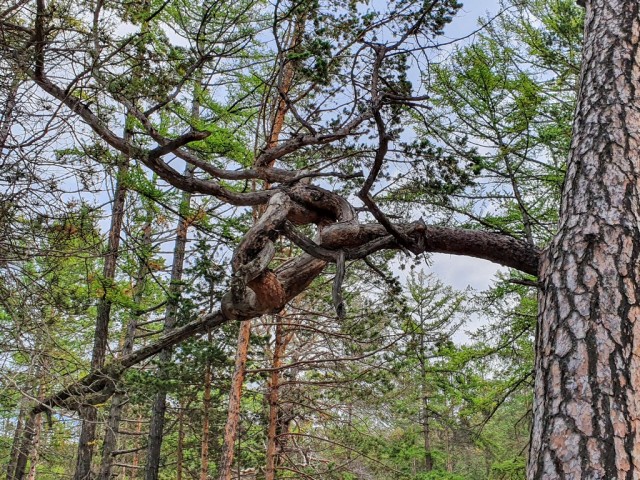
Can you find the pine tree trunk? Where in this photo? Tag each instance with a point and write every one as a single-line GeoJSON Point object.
{"type": "Point", "coordinates": [136, 455]}
{"type": "Point", "coordinates": [586, 407]}
{"type": "Point", "coordinates": [233, 412]}
{"type": "Point", "coordinates": [7, 112]}
{"type": "Point", "coordinates": [426, 430]}
{"type": "Point", "coordinates": [424, 391]}
{"type": "Point", "coordinates": [160, 403]}
{"type": "Point", "coordinates": [34, 456]}
{"type": "Point", "coordinates": [233, 415]}
{"type": "Point", "coordinates": [119, 399]}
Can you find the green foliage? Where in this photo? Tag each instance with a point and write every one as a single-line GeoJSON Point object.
{"type": "Point", "coordinates": [396, 390]}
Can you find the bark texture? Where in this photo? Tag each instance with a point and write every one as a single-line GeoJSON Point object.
{"type": "Point", "coordinates": [587, 407]}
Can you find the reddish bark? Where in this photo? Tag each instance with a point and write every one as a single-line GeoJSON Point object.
{"type": "Point", "coordinates": [233, 415]}
{"type": "Point", "coordinates": [586, 411]}
{"type": "Point", "coordinates": [280, 344]}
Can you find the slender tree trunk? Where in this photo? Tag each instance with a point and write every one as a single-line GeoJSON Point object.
{"type": "Point", "coordinates": [89, 414]}
{"type": "Point", "coordinates": [35, 454]}
{"type": "Point", "coordinates": [280, 344]}
{"type": "Point", "coordinates": [156, 428]}
{"type": "Point", "coordinates": [180, 446]}
{"type": "Point", "coordinates": [136, 455]}
{"type": "Point", "coordinates": [7, 113]}
{"type": "Point", "coordinates": [17, 438]}
{"type": "Point", "coordinates": [25, 445]}
{"type": "Point", "coordinates": [119, 399]}
{"type": "Point", "coordinates": [233, 415]}
{"type": "Point", "coordinates": [426, 432]}
{"type": "Point", "coordinates": [230, 435]}
{"type": "Point", "coordinates": [586, 409]}
{"type": "Point", "coordinates": [426, 427]}
{"type": "Point", "coordinates": [206, 407]}
{"type": "Point", "coordinates": [450, 458]}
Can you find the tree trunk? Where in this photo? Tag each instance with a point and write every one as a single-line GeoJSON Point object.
{"type": "Point", "coordinates": [279, 347]}
{"type": "Point", "coordinates": [34, 456]}
{"type": "Point", "coordinates": [206, 408]}
{"type": "Point", "coordinates": [119, 399]}
{"type": "Point", "coordinates": [586, 406]}
{"type": "Point", "coordinates": [171, 316]}
{"type": "Point", "coordinates": [136, 455]}
{"type": "Point", "coordinates": [426, 426]}
{"type": "Point", "coordinates": [17, 438]}
{"type": "Point", "coordinates": [180, 446]}
{"type": "Point", "coordinates": [26, 443]}
{"type": "Point", "coordinates": [89, 413]}
{"type": "Point", "coordinates": [233, 415]}
{"type": "Point", "coordinates": [7, 112]}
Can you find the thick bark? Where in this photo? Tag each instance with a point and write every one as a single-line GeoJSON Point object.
{"type": "Point", "coordinates": [235, 395]}
{"type": "Point", "coordinates": [586, 410]}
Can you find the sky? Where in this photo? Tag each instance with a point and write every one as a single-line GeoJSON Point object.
{"type": "Point", "coordinates": [458, 271]}
{"type": "Point", "coordinates": [454, 270]}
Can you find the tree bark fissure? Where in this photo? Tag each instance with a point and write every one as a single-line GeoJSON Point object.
{"type": "Point", "coordinates": [586, 408]}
